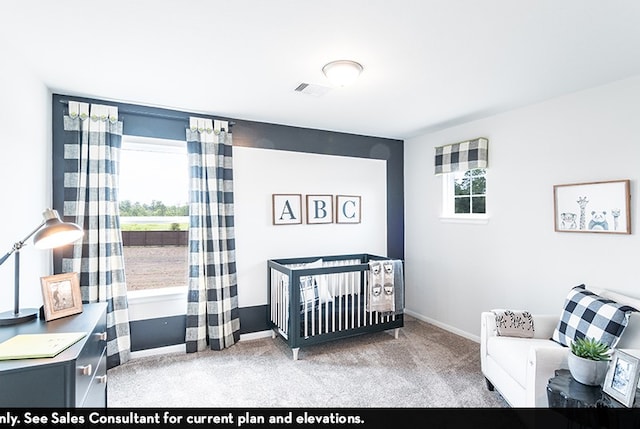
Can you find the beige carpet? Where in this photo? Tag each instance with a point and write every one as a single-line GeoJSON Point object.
{"type": "Point", "coordinates": [425, 367]}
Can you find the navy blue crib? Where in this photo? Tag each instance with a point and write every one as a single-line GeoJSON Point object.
{"type": "Point", "coordinates": [321, 298]}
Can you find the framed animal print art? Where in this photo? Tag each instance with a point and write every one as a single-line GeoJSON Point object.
{"type": "Point", "coordinates": [598, 207]}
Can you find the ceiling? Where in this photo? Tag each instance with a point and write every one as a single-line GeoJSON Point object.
{"type": "Point", "coordinates": [428, 64]}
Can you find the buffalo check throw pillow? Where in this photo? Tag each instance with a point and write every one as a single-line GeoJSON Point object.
{"type": "Point", "coordinates": [586, 314]}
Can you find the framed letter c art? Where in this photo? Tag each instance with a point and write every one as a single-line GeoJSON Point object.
{"type": "Point", "coordinates": [287, 209]}
{"type": "Point", "coordinates": [347, 209]}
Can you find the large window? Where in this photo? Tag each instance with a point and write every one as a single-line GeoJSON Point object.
{"type": "Point", "coordinates": [465, 194]}
{"type": "Point", "coordinates": [154, 212]}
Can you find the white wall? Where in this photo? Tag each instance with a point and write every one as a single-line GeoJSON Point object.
{"type": "Point", "coordinates": [25, 172]}
{"type": "Point", "coordinates": [455, 271]}
{"type": "Point", "coordinates": [259, 173]}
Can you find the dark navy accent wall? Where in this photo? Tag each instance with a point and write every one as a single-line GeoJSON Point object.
{"type": "Point", "coordinates": [295, 139]}
{"type": "Point", "coordinates": [147, 121]}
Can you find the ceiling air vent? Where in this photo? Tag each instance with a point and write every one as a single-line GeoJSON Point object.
{"type": "Point", "coordinates": [311, 89]}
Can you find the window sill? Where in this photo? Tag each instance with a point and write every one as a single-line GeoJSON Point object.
{"type": "Point", "coordinates": [473, 220]}
{"type": "Point", "coordinates": [157, 303]}
{"type": "Point", "coordinates": [159, 294]}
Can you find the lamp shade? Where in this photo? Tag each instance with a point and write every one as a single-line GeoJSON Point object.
{"type": "Point", "coordinates": [342, 72]}
{"type": "Point", "coordinates": [55, 232]}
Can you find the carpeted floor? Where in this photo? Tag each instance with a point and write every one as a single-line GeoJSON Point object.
{"type": "Point", "coordinates": [425, 367]}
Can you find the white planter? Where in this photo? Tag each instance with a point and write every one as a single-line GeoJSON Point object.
{"type": "Point", "coordinates": [587, 371]}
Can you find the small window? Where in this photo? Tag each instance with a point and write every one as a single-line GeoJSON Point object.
{"type": "Point", "coordinates": [465, 194]}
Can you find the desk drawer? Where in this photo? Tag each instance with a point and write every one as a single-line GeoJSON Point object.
{"type": "Point", "coordinates": [88, 364]}
{"type": "Point", "coordinates": [96, 395]}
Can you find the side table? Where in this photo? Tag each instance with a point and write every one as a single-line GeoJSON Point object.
{"type": "Point", "coordinates": [565, 392]}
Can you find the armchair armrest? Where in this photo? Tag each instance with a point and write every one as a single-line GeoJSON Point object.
{"type": "Point", "coordinates": [541, 365]}
{"type": "Point", "coordinates": [487, 329]}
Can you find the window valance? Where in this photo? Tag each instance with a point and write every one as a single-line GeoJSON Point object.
{"type": "Point", "coordinates": [462, 156]}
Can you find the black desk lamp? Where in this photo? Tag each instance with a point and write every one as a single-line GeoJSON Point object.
{"type": "Point", "coordinates": [52, 232]}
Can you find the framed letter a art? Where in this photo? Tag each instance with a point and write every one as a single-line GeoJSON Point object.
{"type": "Point", "coordinates": [287, 209]}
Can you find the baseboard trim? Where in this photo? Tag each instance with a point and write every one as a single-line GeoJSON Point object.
{"type": "Point", "coordinates": [181, 348]}
{"type": "Point", "coordinates": [177, 348]}
{"type": "Point", "coordinates": [255, 335]}
{"type": "Point", "coordinates": [443, 326]}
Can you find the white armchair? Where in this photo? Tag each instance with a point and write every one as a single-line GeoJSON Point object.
{"type": "Point", "coordinates": [520, 368]}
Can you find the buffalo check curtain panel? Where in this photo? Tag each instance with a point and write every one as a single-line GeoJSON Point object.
{"type": "Point", "coordinates": [93, 137]}
{"type": "Point", "coordinates": [212, 308]}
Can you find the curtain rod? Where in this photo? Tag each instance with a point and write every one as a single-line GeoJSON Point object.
{"type": "Point", "coordinates": [152, 114]}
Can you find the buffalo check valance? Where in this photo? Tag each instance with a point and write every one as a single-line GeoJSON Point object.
{"type": "Point", "coordinates": [462, 156]}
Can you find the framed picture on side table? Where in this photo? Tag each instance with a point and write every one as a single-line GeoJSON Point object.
{"type": "Point", "coordinates": [61, 295]}
{"type": "Point", "coordinates": [621, 380]}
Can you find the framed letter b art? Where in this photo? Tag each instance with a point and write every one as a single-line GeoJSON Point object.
{"type": "Point", "coordinates": [599, 207]}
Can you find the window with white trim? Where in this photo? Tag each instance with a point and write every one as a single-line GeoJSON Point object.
{"type": "Point", "coordinates": [464, 180]}
{"type": "Point", "coordinates": [465, 194]}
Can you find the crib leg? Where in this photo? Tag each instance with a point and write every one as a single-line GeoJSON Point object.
{"type": "Point", "coordinates": [396, 332]}
{"type": "Point", "coordinates": [295, 353]}
{"type": "Point", "coordinates": [273, 333]}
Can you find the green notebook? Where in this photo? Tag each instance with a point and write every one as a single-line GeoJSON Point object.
{"type": "Point", "coordinates": [30, 346]}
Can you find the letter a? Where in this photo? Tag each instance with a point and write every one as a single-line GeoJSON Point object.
{"type": "Point", "coordinates": [287, 210]}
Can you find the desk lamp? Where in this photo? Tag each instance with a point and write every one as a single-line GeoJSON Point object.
{"type": "Point", "coordinates": [52, 232]}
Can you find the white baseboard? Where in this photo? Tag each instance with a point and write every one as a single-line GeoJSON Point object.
{"type": "Point", "coordinates": [443, 326]}
{"type": "Point", "coordinates": [178, 348]}
{"type": "Point", "coordinates": [181, 348]}
{"type": "Point", "coordinates": [256, 335]}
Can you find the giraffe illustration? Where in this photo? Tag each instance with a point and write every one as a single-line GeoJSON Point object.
{"type": "Point", "coordinates": [616, 214]}
{"type": "Point", "coordinates": [582, 202]}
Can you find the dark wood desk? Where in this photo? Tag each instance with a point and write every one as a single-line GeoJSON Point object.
{"type": "Point", "coordinates": [74, 378]}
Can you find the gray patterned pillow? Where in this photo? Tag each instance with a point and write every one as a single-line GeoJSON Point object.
{"type": "Point", "coordinates": [510, 323]}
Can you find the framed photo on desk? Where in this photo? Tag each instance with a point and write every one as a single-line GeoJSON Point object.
{"type": "Point", "coordinates": [621, 381]}
{"type": "Point", "coordinates": [61, 295]}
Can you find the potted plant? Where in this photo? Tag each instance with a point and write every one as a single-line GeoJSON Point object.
{"type": "Point", "coordinates": [589, 361]}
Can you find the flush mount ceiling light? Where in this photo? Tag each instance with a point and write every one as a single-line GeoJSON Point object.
{"type": "Point", "coordinates": [342, 72]}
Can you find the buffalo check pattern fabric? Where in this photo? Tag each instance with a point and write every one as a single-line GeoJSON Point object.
{"type": "Point", "coordinates": [588, 315]}
{"type": "Point", "coordinates": [462, 156]}
{"type": "Point", "coordinates": [212, 307]}
{"type": "Point", "coordinates": [93, 137]}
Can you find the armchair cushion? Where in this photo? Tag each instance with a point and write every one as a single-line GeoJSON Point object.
{"type": "Point", "coordinates": [586, 314]}
{"type": "Point", "coordinates": [512, 353]}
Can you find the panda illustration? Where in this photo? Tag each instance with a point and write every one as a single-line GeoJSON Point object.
{"type": "Point", "coordinates": [598, 221]}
